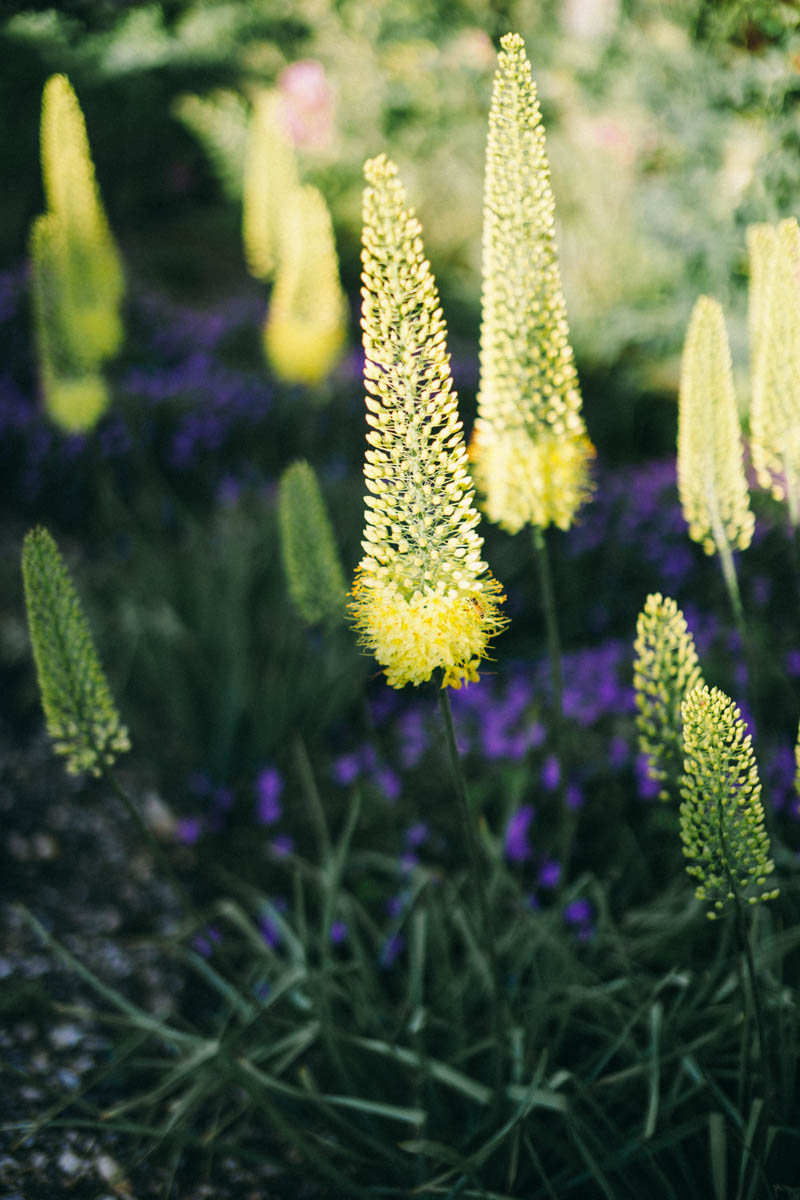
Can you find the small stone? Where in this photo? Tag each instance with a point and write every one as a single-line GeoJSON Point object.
{"type": "Point", "coordinates": [64, 1036]}
{"type": "Point", "coordinates": [69, 1162]}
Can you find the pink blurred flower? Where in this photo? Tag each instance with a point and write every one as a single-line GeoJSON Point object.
{"type": "Point", "coordinates": [306, 104]}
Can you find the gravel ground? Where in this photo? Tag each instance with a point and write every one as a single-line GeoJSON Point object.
{"type": "Point", "coordinates": [69, 855]}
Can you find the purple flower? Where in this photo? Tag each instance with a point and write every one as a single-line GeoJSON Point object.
{"type": "Point", "coordinates": [270, 931]}
{"type": "Point", "coordinates": [269, 786]}
{"type": "Point", "coordinates": [392, 947]}
{"type": "Point", "coordinates": [574, 796]}
{"type": "Point", "coordinates": [189, 830]}
{"type": "Point", "coordinates": [578, 912]}
{"type": "Point", "coordinates": [346, 769]}
{"type": "Point", "coordinates": [269, 926]}
{"type": "Point", "coordinates": [396, 904]}
{"type": "Point", "coordinates": [413, 738]}
{"type": "Point", "coordinates": [417, 834]}
{"type": "Point", "coordinates": [282, 845]}
{"type": "Point", "coordinates": [618, 751]}
{"type": "Point", "coordinates": [551, 773]}
{"type": "Point", "coordinates": [517, 848]}
{"type": "Point", "coordinates": [550, 873]}
{"type": "Point", "coordinates": [648, 787]}
{"type": "Point", "coordinates": [204, 943]}
{"type": "Point", "coordinates": [389, 783]}
{"type": "Point", "coordinates": [793, 663]}
{"type": "Point", "coordinates": [338, 932]}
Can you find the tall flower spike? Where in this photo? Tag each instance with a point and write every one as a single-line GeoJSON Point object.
{"type": "Point", "coordinates": [422, 597]}
{"type": "Point", "coordinates": [81, 717]}
{"type": "Point", "coordinates": [711, 478]}
{"type": "Point", "coordinates": [775, 360]}
{"type": "Point", "coordinates": [77, 273]}
{"type": "Point", "coordinates": [530, 450]}
{"type": "Point", "coordinates": [305, 330]}
{"type": "Point", "coordinates": [722, 818]}
{"type": "Point", "coordinates": [308, 548]}
{"type": "Point", "coordinates": [269, 188]}
{"type": "Point", "coordinates": [665, 671]}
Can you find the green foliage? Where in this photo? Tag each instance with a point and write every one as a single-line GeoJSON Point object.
{"type": "Point", "coordinates": [665, 671]}
{"type": "Point", "coordinates": [314, 573]}
{"type": "Point", "coordinates": [81, 717]}
{"type": "Point", "coordinates": [722, 818]}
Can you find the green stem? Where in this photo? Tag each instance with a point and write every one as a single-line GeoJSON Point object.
{"type": "Point", "coordinates": [732, 585]}
{"type": "Point", "coordinates": [557, 679]}
{"type": "Point", "coordinates": [155, 846]}
{"type": "Point", "coordinates": [744, 940]}
{"type": "Point", "coordinates": [468, 823]}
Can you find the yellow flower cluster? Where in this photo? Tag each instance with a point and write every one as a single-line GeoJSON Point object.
{"type": "Point", "coordinates": [774, 320]}
{"type": "Point", "coordinates": [77, 276]}
{"type": "Point", "coordinates": [529, 388]}
{"type": "Point", "coordinates": [423, 599]}
{"type": "Point", "coordinates": [711, 478]}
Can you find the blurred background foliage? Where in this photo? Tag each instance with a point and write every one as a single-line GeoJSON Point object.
{"type": "Point", "coordinates": [670, 128]}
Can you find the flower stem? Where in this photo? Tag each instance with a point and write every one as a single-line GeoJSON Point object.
{"type": "Point", "coordinates": [468, 823]}
{"type": "Point", "coordinates": [153, 843]}
{"type": "Point", "coordinates": [557, 680]}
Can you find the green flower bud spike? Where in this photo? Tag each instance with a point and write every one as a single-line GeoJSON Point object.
{"type": "Point", "coordinates": [665, 671]}
{"type": "Point", "coordinates": [529, 449]}
{"type": "Point", "coordinates": [311, 563]}
{"type": "Point", "coordinates": [81, 716]}
{"type": "Point", "coordinates": [423, 599]}
{"type": "Point", "coordinates": [721, 818]}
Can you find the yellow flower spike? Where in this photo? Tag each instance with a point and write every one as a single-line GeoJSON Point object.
{"type": "Point", "coordinates": [711, 478]}
{"type": "Point", "coordinates": [269, 187]}
{"type": "Point", "coordinates": [423, 599]}
{"type": "Point", "coordinates": [530, 451]}
{"type": "Point", "coordinates": [775, 359]}
{"type": "Point", "coordinates": [77, 275]}
{"type": "Point", "coordinates": [306, 324]}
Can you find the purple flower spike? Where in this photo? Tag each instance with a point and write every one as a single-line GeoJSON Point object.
{"type": "Point", "coordinates": [269, 786]}
{"type": "Point", "coordinates": [339, 932]}
{"type": "Point", "coordinates": [517, 848]}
